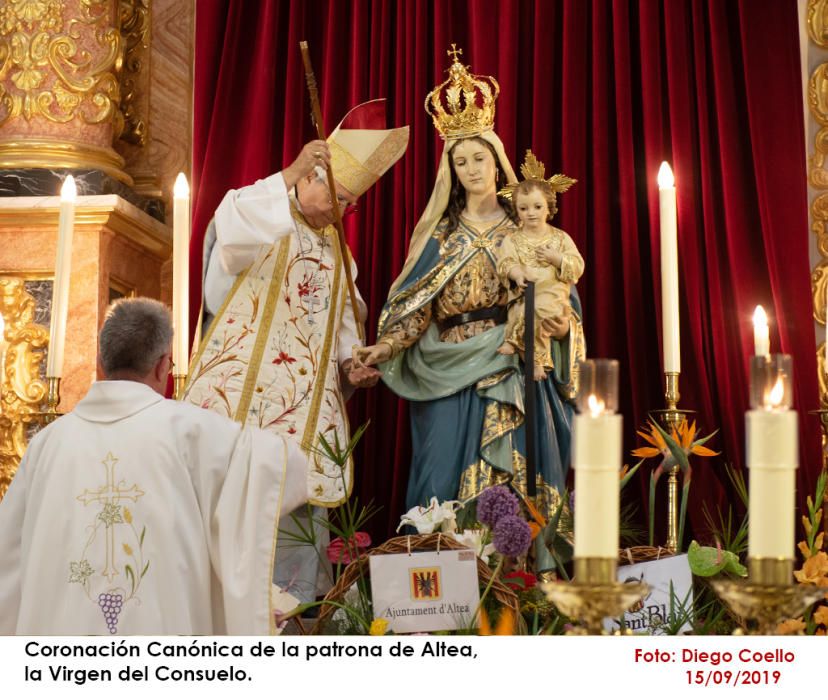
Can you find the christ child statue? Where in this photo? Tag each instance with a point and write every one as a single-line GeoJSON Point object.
{"type": "Point", "coordinates": [541, 253]}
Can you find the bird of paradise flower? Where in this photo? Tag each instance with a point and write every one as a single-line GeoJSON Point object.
{"type": "Point", "coordinates": [674, 449]}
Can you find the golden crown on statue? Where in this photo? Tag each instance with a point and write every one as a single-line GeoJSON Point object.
{"type": "Point", "coordinates": [470, 101]}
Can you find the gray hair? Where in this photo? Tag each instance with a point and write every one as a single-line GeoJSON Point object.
{"type": "Point", "coordinates": [135, 335]}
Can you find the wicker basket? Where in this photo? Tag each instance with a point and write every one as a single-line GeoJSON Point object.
{"type": "Point", "coordinates": [636, 555]}
{"type": "Point", "coordinates": [504, 595]}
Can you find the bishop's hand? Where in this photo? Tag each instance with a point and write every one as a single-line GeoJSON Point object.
{"type": "Point", "coordinates": [314, 153]}
{"type": "Point", "coordinates": [361, 377]}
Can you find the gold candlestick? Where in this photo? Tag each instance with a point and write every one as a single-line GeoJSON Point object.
{"type": "Point", "coordinates": [670, 418]}
{"type": "Point", "coordinates": [768, 597]}
{"type": "Point", "coordinates": [179, 384]}
{"type": "Point", "coordinates": [594, 594]}
{"type": "Point", "coordinates": [52, 399]}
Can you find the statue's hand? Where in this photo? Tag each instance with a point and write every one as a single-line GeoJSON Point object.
{"type": "Point", "coordinates": [371, 355]}
{"type": "Point", "coordinates": [552, 256]}
{"type": "Point", "coordinates": [557, 327]}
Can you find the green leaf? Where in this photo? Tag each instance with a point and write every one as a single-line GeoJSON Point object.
{"type": "Point", "coordinates": [685, 493]}
{"type": "Point", "coordinates": [703, 440]}
{"type": "Point", "coordinates": [705, 561]}
{"type": "Point", "coordinates": [733, 565]}
{"type": "Point", "coordinates": [146, 566]}
{"type": "Point", "coordinates": [654, 477]}
{"type": "Point", "coordinates": [131, 574]}
{"type": "Point", "coordinates": [629, 475]}
{"type": "Point", "coordinates": [674, 447]}
{"type": "Point", "coordinates": [141, 538]}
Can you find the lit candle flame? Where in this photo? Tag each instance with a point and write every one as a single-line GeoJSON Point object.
{"type": "Point", "coordinates": [181, 189]}
{"type": "Point", "coordinates": [776, 394]}
{"type": "Point", "coordinates": [760, 318]}
{"type": "Point", "coordinates": [761, 333]}
{"type": "Point", "coordinates": [665, 177]}
{"type": "Point", "coordinates": [596, 405]}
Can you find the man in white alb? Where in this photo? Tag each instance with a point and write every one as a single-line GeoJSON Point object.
{"type": "Point", "coordinates": [134, 514]}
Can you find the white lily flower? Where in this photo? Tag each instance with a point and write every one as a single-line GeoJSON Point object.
{"type": "Point", "coordinates": [436, 516]}
{"type": "Point", "coordinates": [474, 540]}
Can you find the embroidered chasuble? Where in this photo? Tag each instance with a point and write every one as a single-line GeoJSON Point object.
{"type": "Point", "coordinates": [270, 358]}
{"type": "Point", "coordinates": [134, 514]}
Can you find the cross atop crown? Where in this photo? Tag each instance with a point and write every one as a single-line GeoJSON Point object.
{"type": "Point", "coordinates": [469, 101]}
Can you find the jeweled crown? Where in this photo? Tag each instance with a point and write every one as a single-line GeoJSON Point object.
{"type": "Point", "coordinates": [469, 101]}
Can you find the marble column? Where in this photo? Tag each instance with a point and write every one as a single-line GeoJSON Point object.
{"type": "Point", "coordinates": [60, 95]}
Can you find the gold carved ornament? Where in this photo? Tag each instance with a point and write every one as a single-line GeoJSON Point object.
{"type": "Point", "coordinates": [52, 75]}
{"type": "Point", "coordinates": [22, 391]}
{"type": "Point", "coordinates": [134, 23]}
{"type": "Point", "coordinates": [818, 178]}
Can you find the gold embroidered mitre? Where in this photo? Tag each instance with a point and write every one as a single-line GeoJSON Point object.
{"type": "Point", "coordinates": [469, 99]}
{"type": "Point", "coordinates": [360, 151]}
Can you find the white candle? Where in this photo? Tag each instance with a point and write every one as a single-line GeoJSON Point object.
{"type": "Point", "coordinates": [60, 289]}
{"type": "Point", "coordinates": [772, 457]}
{"type": "Point", "coordinates": [181, 274]}
{"type": "Point", "coordinates": [669, 269]}
{"type": "Point", "coordinates": [596, 459]}
{"type": "Point", "coordinates": [761, 333]}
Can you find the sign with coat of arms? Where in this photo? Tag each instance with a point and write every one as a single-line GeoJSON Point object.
{"type": "Point", "coordinates": [425, 591]}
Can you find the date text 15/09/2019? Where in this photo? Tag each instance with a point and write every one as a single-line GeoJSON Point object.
{"type": "Point", "coordinates": [749, 672]}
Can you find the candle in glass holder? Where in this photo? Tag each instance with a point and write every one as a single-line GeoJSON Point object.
{"type": "Point", "coordinates": [181, 274]}
{"type": "Point", "coordinates": [669, 269]}
{"type": "Point", "coordinates": [596, 458]}
{"type": "Point", "coordinates": [772, 458]}
{"type": "Point", "coordinates": [60, 289]}
{"type": "Point", "coordinates": [761, 333]}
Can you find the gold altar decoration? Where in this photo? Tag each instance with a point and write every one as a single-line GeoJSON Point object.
{"type": "Point", "coordinates": [816, 20]}
{"type": "Point", "coordinates": [59, 85]}
{"type": "Point", "coordinates": [22, 390]}
{"type": "Point", "coordinates": [134, 22]}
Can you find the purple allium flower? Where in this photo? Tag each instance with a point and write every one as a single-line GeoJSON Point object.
{"type": "Point", "coordinates": [495, 503]}
{"type": "Point", "coordinates": [512, 536]}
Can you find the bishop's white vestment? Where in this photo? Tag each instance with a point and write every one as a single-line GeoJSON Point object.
{"type": "Point", "coordinates": [283, 326]}
{"type": "Point", "coordinates": [134, 514]}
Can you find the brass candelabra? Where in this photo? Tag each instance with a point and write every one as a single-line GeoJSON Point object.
{"type": "Point", "coordinates": [594, 594]}
{"type": "Point", "coordinates": [768, 596]}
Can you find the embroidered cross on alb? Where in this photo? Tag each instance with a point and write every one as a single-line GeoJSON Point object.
{"type": "Point", "coordinates": [109, 495]}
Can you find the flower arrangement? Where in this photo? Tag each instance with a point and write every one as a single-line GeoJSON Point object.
{"type": "Point", "coordinates": [814, 571]}
{"type": "Point", "coordinates": [674, 449]}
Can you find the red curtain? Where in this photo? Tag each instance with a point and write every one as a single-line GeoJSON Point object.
{"type": "Point", "coordinates": [602, 91]}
